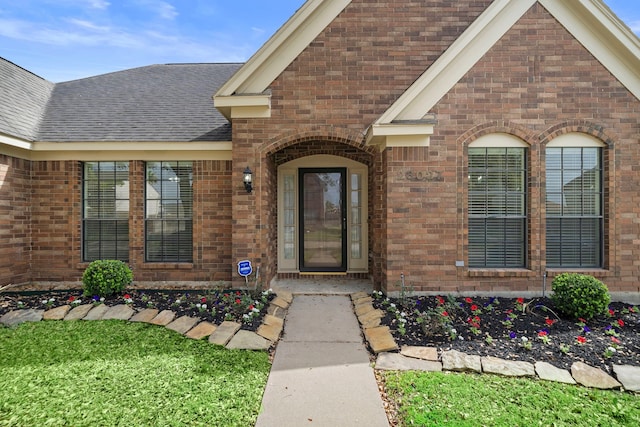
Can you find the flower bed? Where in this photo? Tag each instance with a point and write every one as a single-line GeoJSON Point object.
{"type": "Point", "coordinates": [245, 307]}
{"type": "Point", "coordinates": [515, 329]}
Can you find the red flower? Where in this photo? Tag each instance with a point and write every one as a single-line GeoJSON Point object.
{"type": "Point", "coordinates": [251, 307]}
{"type": "Point", "coordinates": [549, 321]}
{"type": "Point", "coordinates": [468, 300]}
{"type": "Point", "coordinates": [581, 339]}
{"type": "Point", "coordinates": [444, 313]}
{"type": "Point", "coordinates": [440, 300]}
{"type": "Point", "coordinates": [238, 293]}
{"type": "Point", "coordinates": [238, 301]}
{"type": "Point", "coordinates": [203, 300]}
{"type": "Point", "coordinates": [615, 340]}
{"type": "Point", "coordinates": [611, 312]}
{"type": "Point", "coordinates": [543, 333]}
{"type": "Point", "coordinates": [621, 322]}
{"type": "Point", "coordinates": [582, 320]}
{"type": "Point", "coordinates": [520, 300]}
{"type": "Point", "coordinates": [126, 296]}
{"type": "Point", "coordinates": [72, 298]}
{"type": "Point", "coordinates": [474, 307]}
{"type": "Point", "coordinates": [632, 310]}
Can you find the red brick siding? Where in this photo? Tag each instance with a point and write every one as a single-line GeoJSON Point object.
{"type": "Point", "coordinates": [15, 211]}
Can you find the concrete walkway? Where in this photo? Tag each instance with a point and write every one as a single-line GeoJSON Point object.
{"type": "Point", "coordinates": [321, 373]}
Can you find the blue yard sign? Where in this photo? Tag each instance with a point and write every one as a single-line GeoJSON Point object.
{"type": "Point", "coordinates": [244, 268]}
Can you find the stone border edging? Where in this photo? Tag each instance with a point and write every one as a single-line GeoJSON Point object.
{"type": "Point", "coordinates": [383, 345]}
{"type": "Point", "coordinates": [227, 334]}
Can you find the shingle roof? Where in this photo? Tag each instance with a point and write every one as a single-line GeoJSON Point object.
{"type": "Point", "coordinates": [23, 98]}
{"type": "Point", "coordinates": [171, 102]}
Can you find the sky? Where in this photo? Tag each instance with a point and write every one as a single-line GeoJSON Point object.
{"type": "Point", "coordinates": [62, 40]}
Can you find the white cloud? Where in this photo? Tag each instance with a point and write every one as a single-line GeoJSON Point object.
{"type": "Point", "coordinates": [99, 4]}
{"type": "Point", "coordinates": [88, 25]}
{"type": "Point", "coordinates": [166, 10]}
{"type": "Point", "coordinates": [635, 27]}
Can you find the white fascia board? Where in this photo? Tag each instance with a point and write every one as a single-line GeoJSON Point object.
{"type": "Point", "coordinates": [457, 60]}
{"type": "Point", "coordinates": [214, 150]}
{"type": "Point", "coordinates": [244, 106]}
{"type": "Point", "coordinates": [18, 143]}
{"type": "Point", "coordinates": [283, 47]}
{"type": "Point", "coordinates": [612, 43]}
{"type": "Point", "coordinates": [400, 135]}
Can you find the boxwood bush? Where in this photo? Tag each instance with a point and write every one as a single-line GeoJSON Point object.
{"type": "Point", "coordinates": [580, 295]}
{"type": "Point", "coordinates": [106, 277]}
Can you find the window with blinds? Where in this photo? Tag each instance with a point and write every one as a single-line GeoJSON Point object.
{"type": "Point", "coordinates": [574, 207]}
{"type": "Point", "coordinates": [169, 212]}
{"type": "Point", "coordinates": [497, 207]}
{"type": "Point", "coordinates": [105, 211]}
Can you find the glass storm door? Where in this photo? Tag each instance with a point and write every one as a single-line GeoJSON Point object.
{"type": "Point", "coordinates": [323, 219]}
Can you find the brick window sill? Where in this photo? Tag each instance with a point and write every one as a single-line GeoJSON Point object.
{"type": "Point", "coordinates": [500, 272]}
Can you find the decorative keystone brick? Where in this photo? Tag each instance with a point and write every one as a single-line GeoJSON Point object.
{"type": "Point", "coordinates": [286, 296]}
{"type": "Point", "coordinates": [374, 314]}
{"type": "Point", "coordinates": [398, 362]}
{"type": "Point", "coordinates": [273, 320]}
{"type": "Point", "coordinates": [280, 302]}
{"type": "Point", "coordinates": [276, 311]}
{"type": "Point", "coordinates": [548, 372]}
{"type": "Point", "coordinates": [247, 340]}
{"type": "Point", "coordinates": [424, 353]}
{"type": "Point", "coordinates": [592, 377]}
{"type": "Point", "coordinates": [508, 368]}
{"type": "Point", "coordinates": [363, 309]}
{"type": "Point", "coordinates": [358, 295]}
{"type": "Point", "coordinates": [366, 300]}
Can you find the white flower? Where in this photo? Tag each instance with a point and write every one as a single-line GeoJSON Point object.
{"type": "Point", "coordinates": [45, 301]}
{"type": "Point", "coordinates": [204, 306]}
{"type": "Point", "coordinates": [102, 299]}
{"type": "Point", "coordinates": [403, 314]}
{"type": "Point", "coordinates": [392, 305]}
{"type": "Point", "coordinates": [611, 349]}
{"type": "Point", "coordinates": [453, 331]}
{"type": "Point", "coordinates": [198, 305]}
{"type": "Point", "coordinates": [461, 338]}
{"type": "Point", "coordinates": [524, 339]}
{"type": "Point", "coordinates": [178, 301]}
{"type": "Point", "coordinates": [255, 310]}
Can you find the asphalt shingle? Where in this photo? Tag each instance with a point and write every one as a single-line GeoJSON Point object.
{"type": "Point", "coordinates": [171, 102]}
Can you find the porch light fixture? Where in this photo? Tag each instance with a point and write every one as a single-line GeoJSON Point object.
{"type": "Point", "coordinates": [247, 179]}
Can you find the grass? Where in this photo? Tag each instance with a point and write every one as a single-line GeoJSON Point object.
{"type": "Point", "coordinates": [454, 399]}
{"type": "Point", "coordinates": [122, 374]}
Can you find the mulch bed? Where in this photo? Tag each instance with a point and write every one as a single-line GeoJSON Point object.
{"type": "Point", "coordinates": [245, 307]}
{"type": "Point", "coordinates": [515, 329]}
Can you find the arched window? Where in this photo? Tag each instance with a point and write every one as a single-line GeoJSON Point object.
{"type": "Point", "coordinates": [574, 201]}
{"type": "Point", "coordinates": [497, 202]}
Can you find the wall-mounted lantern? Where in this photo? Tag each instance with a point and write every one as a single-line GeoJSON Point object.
{"type": "Point", "coordinates": [247, 179]}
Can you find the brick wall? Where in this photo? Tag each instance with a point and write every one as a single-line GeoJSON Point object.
{"type": "Point", "coordinates": [56, 211]}
{"type": "Point", "coordinates": [537, 82]}
{"type": "Point", "coordinates": [14, 220]}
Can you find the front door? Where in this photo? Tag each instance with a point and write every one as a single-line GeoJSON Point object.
{"type": "Point", "coordinates": [323, 219]}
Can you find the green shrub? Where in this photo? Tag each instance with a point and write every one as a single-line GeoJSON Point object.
{"type": "Point", "coordinates": [106, 277]}
{"type": "Point", "coordinates": [579, 295]}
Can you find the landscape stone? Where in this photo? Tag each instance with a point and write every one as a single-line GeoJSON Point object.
{"type": "Point", "coordinates": [270, 332]}
{"type": "Point", "coordinates": [629, 376]}
{"type": "Point", "coordinates": [424, 353]}
{"type": "Point", "coordinates": [287, 296]}
{"type": "Point", "coordinates": [454, 360]}
{"type": "Point", "coordinates": [358, 295]}
{"type": "Point", "coordinates": [201, 330]}
{"type": "Point", "coordinates": [363, 309]}
{"type": "Point", "coordinates": [508, 368]}
{"type": "Point", "coordinates": [398, 362]}
{"type": "Point", "coordinates": [367, 300]}
{"type": "Point", "coordinates": [247, 340]}
{"type": "Point", "coordinates": [276, 311]}
{"type": "Point", "coordinates": [57, 313]}
{"type": "Point", "coordinates": [183, 324]}
{"type": "Point", "coordinates": [546, 371]}
{"type": "Point", "coordinates": [280, 302]}
{"type": "Point", "coordinates": [78, 312]}
{"type": "Point", "coordinates": [16, 317]}
{"type": "Point", "coordinates": [592, 377]}
{"type": "Point", "coordinates": [224, 333]}
{"type": "Point", "coordinates": [273, 320]}
{"type": "Point", "coordinates": [96, 313]}
{"type": "Point", "coordinates": [373, 323]}
{"type": "Point", "coordinates": [145, 315]}
{"type": "Point", "coordinates": [163, 318]}
{"type": "Point", "coordinates": [380, 339]}
{"type": "Point", "coordinates": [374, 314]}
{"type": "Point", "coordinates": [119, 312]}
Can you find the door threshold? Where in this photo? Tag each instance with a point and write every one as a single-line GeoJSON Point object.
{"type": "Point", "coordinates": [323, 273]}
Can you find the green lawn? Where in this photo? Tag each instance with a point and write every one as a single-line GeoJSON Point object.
{"type": "Point", "coordinates": [452, 399]}
{"type": "Point", "coordinates": [114, 373]}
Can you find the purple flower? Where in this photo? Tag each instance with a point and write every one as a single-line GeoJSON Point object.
{"type": "Point", "coordinates": [512, 335]}
{"type": "Point", "coordinates": [586, 329]}
{"type": "Point", "coordinates": [96, 298]}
